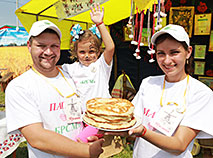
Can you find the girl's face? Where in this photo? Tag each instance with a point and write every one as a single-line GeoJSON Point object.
{"type": "Point", "coordinates": [87, 52]}
{"type": "Point", "coordinates": [171, 57]}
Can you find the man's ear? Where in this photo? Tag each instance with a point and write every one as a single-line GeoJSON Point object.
{"type": "Point", "coordinates": [29, 45]}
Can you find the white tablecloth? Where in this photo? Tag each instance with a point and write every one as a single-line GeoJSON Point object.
{"type": "Point", "coordinates": [8, 142]}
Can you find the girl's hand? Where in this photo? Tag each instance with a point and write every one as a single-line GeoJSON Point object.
{"type": "Point", "coordinates": [96, 14]}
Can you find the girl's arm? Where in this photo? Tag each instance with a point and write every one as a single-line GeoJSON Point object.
{"type": "Point", "coordinates": [97, 17]}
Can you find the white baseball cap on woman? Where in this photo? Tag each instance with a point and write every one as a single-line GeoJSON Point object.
{"type": "Point", "coordinates": [39, 26]}
{"type": "Point", "coordinates": [176, 31]}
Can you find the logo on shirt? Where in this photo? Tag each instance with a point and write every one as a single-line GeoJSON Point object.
{"type": "Point", "coordinates": [87, 82]}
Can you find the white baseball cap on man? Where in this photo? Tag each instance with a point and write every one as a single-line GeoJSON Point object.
{"type": "Point", "coordinates": [39, 26]}
{"type": "Point", "coordinates": [176, 31]}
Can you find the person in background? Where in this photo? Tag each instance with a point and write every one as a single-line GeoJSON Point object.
{"type": "Point", "coordinates": [175, 107]}
{"type": "Point", "coordinates": [36, 101]}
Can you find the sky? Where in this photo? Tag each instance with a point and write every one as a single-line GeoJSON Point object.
{"type": "Point", "coordinates": [7, 12]}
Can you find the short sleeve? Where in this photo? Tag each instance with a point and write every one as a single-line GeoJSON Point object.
{"type": "Point", "coordinates": [138, 103]}
{"type": "Point", "coordinates": [21, 108]}
{"type": "Point", "coordinates": [199, 111]}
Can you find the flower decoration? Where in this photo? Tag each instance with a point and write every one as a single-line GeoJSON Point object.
{"type": "Point", "coordinates": [95, 31]}
{"type": "Point", "coordinates": [76, 31]}
{"type": "Point", "coordinates": [202, 7]}
{"type": "Point", "coordinates": [182, 1]}
{"type": "Point", "coordinates": [168, 5]}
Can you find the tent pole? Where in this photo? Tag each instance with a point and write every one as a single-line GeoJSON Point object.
{"type": "Point", "coordinates": [17, 21]}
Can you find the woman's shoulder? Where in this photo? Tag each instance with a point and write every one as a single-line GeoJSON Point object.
{"type": "Point", "coordinates": [154, 79]}
{"type": "Point", "coordinates": [197, 85]}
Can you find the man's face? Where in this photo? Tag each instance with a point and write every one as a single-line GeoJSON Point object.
{"type": "Point", "coordinates": [45, 52]}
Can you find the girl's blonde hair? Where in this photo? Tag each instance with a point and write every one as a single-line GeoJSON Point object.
{"type": "Point", "coordinates": [87, 35]}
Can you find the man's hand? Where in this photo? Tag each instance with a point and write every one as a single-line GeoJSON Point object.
{"type": "Point", "coordinates": [95, 148]}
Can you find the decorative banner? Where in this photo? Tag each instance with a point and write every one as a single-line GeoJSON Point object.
{"type": "Point", "coordinates": [202, 24]}
{"type": "Point", "coordinates": [145, 4]}
{"type": "Point", "coordinates": [127, 32]}
{"type": "Point", "coordinates": [68, 8]}
{"type": "Point", "coordinates": [207, 80]}
{"type": "Point", "coordinates": [182, 16]}
{"type": "Point", "coordinates": [199, 68]}
{"type": "Point", "coordinates": [163, 23]}
{"type": "Point", "coordinates": [200, 51]}
{"type": "Point", "coordinates": [144, 37]}
{"type": "Point", "coordinates": [11, 36]}
{"type": "Point", "coordinates": [211, 42]}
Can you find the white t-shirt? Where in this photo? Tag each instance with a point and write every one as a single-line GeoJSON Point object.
{"type": "Point", "coordinates": [91, 81]}
{"type": "Point", "coordinates": [199, 101]}
{"type": "Point", "coordinates": [31, 99]}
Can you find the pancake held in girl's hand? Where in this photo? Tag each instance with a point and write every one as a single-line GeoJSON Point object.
{"type": "Point", "coordinates": [110, 113]}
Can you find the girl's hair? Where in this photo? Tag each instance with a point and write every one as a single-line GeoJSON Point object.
{"type": "Point", "coordinates": [87, 35]}
{"type": "Point", "coordinates": [188, 65]}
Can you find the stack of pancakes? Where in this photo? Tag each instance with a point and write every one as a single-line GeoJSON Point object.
{"type": "Point", "coordinates": [110, 113]}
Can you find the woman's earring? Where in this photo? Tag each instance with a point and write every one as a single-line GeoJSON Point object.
{"type": "Point", "coordinates": [187, 61]}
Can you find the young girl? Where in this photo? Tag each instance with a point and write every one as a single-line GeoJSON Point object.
{"type": "Point", "coordinates": [176, 108]}
{"type": "Point", "coordinates": [91, 73]}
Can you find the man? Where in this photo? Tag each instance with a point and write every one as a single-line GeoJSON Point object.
{"type": "Point", "coordinates": [36, 100]}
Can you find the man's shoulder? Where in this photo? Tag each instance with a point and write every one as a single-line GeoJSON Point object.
{"type": "Point", "coordinates": [27, 74]}
{"type": "Point", "coordinates": [23, 79]}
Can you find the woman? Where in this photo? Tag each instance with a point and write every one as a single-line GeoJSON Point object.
{"type": "Point", "coordinates": [175, 107]}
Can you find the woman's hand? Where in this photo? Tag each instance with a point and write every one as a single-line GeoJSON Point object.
{"type": "Point", "coordinates": [132, 132]}
{"type": "Point", "coordinates": [136, 131]}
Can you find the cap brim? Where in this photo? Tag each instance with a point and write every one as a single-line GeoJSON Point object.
{"type": "Point", "coordinates": [38, 32]}
{"type": "Point", "coordinates": [156, 35]}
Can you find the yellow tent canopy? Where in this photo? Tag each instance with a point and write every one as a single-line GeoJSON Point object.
{"type": "Point", "coordinates": [34, 10]}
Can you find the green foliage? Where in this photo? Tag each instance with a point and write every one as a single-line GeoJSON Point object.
{"type": "Point", "coordinates": [21, 151]}
{"type": "Point", "coordinates": [126, 153]}
{"type": "Point", "coordinates": [2, 97]}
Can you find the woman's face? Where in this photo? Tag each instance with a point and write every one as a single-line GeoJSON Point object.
{"type": "Point", "coordinates": [87, 53]}
{"type": "Point", "coordinates": [171, 57]}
